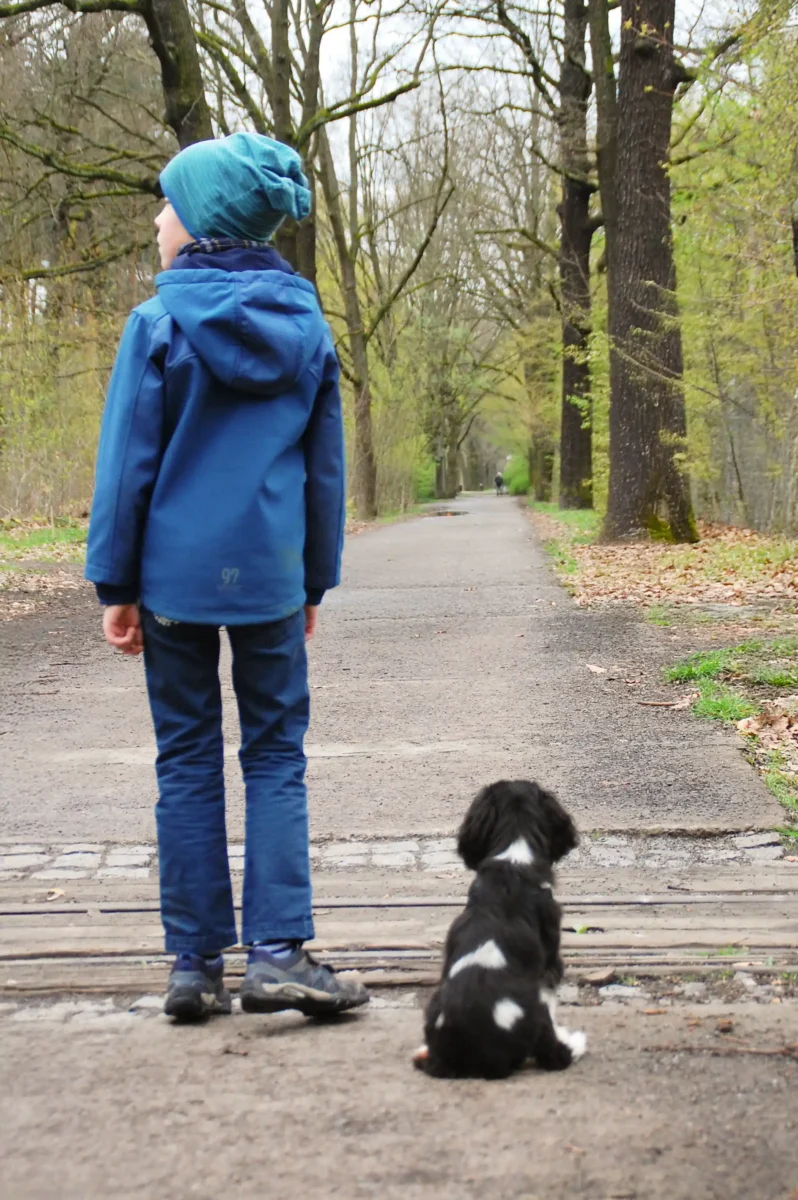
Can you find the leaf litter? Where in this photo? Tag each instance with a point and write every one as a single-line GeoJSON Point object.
{"type": "Point", "coordinates": [727, 566]}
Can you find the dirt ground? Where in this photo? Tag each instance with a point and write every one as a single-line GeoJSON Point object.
{"type": "Point", "coordinates": [663, 1107]}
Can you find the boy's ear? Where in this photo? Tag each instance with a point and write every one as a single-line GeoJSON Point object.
{"type": "Point", "coordinates": [478, 829]}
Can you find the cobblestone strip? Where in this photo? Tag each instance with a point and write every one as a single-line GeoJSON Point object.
{"type": "Point", "coordinates": [94, 860]}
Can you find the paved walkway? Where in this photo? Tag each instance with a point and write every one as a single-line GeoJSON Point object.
{"type": "Point", "coordinates": [448, 658]}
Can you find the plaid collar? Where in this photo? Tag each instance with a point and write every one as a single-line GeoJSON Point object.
{"type": "Point", "coordinates": [214, 245]}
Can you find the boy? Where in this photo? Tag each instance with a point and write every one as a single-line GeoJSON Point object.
{"type": "Point", "coordinates": [219, 501]}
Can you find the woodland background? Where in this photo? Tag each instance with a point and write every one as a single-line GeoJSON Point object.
{"type": "Point", "coordinates": [557, 239]}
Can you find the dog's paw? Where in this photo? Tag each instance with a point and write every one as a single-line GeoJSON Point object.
{"type": "Point", "coordinates": [575, 1040]}
{"type": "Point", "coordinates": [421, 1056]}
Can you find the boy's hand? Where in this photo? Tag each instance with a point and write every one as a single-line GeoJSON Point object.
{"type": "Point", "coordinates": [122, 628]}
{"type": "Point", "coordinates": [311, 620]}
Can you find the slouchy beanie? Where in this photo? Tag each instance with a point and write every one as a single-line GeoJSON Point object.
{"type": "Point", "coordinates": [241, 186]}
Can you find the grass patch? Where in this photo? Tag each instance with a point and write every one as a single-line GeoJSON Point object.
{"type": "Point", "coordinates": [562, 558]}
{"type": "Point", "coordinates": [730, 683]}
{"type": "Point", "coordinates": [719, 702]}
{"type": "Point", "coordinates": [783, 786]}
{"type": "Point", "coordinates": [707, 664]}
{"type": "Point", "coordinates": [660, 614]}
{"type": "Point", "coordinates": [582, 524]}
{"type": "Point", "coordinates": [62, 541]}
{"type": "Point", "coordinates": [778, 677]}
{"type": "Point", "coordinates": [761, 663]}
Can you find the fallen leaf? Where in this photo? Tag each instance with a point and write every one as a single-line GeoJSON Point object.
{"type": "Point", "coordinates": [54, 894]}
{"type": "Point", "coordinates": [598, 978]}
{"type": "Point", "coordinates": [655, 1012]}
{"type": "Point", "coordinates": [596, 670]}
{"type": "Point", "coordinates": [724, 1025]}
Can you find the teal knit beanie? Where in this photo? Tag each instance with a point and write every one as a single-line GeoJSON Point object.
{"type": "Point", "coordinates": [242, 186]}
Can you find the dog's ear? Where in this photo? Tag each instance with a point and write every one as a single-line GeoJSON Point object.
{"type": "Point", "coordinates": [477, 832]}
{"type": "Point", "coordinates": [560, 830]}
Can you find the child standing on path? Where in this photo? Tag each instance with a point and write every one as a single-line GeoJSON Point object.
{"type": "Point", "coordinates": [219, 501]}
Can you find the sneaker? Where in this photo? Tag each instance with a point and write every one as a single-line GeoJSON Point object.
{"type": "Point", "coordinates": [297, 981]}
{"type": "Point", "coordinates": [196, 988]}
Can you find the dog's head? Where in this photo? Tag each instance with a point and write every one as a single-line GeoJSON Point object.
{"type": "Point", "coordinates": [509, 810]}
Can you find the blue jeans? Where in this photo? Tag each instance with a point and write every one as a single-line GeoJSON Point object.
{"type": "Point", "coordinates": [270, 679]}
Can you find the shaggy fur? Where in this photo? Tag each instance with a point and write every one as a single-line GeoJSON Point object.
{"type": "Point", "coordinates": [495, 1005]}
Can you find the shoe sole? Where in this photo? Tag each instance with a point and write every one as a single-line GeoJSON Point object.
{"type": "Point", "coordinates": [278, 997]}
{"type": "Point", "coordinates": [187, 1004]}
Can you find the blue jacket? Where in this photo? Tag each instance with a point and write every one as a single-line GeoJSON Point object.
{"type": "Point", "coordinates": [220, 494]}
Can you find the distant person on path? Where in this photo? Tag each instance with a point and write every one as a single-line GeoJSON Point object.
{"type": "Point", "coordinates": [220, 501]}
{"type": "Point", "coordinates": [499, 481]}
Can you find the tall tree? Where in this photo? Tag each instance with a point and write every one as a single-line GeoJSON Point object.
{"type": "Point", "coordinates": [648, 488]}
{"type": "Point", "coordinates": [350, 219]}
{"type": "Point", "coordinates": [172, 39]}
{"type": "Point", "coordinates": [566, 100]}
{"type": "Point", "coordinates": [577, 229]}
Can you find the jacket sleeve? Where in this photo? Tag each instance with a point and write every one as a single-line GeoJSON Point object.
{"type": "Point", "coordinates": [128, 460]}
{"type": "Point", "coordinates": [325, 486]}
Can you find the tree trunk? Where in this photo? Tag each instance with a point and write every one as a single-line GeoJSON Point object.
{"type": "Point", "coordinates": [541, 467]}
{"type": "Point", "coordinates": [648, 493]}
{"type": "Point", "coordinates": [452, 468]}
{"type": "Point", "coordinates": [296, 242]}
{"type": "Point", "coordinates": [576, 461]}
{"type": "Point", "coordinates": [606, 126]}
{"type": "Point", "coordinates": [172, 38]}
{"type": "Point", "coordinates": [365, 465]}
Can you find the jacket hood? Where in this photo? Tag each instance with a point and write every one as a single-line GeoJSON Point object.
{"type": "Point", "coordinates": [256, 331]}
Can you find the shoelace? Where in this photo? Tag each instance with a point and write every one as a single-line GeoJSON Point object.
{"type": "Point", "coordinates": [314, 962]}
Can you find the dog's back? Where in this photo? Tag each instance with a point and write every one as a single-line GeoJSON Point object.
{"type": "Point", "coordinates": [486, 1016]}
{"type": "Point", "coordinates": [495, 1005]}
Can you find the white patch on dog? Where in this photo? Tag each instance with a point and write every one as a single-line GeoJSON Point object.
{"type": "Point", "coordinates": [439, 1021]}
{"type": "Point", "coordinates": [487, 955]}
{"type": "Point", "coordinates": [576, 1041]}
{"type": "Point", "coordinates": [520, 852]}
{"type": "Point", "coordinates": [547, 886]}
{"type": "Point", "coordinates": [506, 1013]}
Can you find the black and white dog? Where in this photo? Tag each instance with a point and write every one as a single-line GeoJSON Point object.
{"type": "Point", "coordinates": [495, 1005]}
